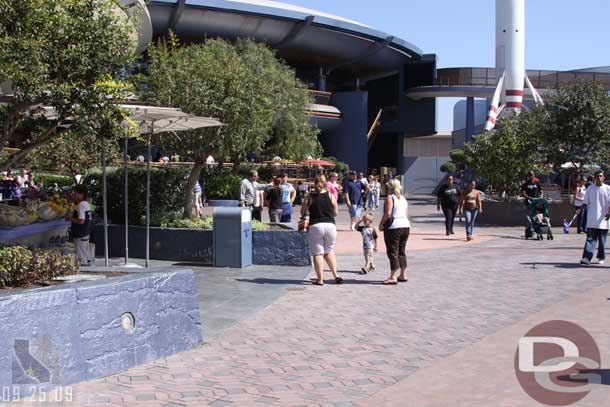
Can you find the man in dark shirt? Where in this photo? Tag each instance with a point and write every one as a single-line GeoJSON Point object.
{"type": "Point", "coordinates": [531, 189]}
{"type": "Point", "coordinates": [353, 198]}
{"type": "Point", "coordinates": [274, 201]}
{"type": "Point", "coordinates": [448, 198]}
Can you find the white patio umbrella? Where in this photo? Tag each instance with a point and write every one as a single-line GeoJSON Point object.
{"type": "Point", "coordinates": [154, 120]}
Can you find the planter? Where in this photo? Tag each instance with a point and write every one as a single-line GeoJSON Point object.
{"type": "Point", "coordinates": [171, 244]}
{"type": "Point", "coordinates": [223, 202]}
{"type": "Point", "coordinates": [40, 235]}
{"type": "Point", "coordinates": [280, 248]}
{"type": "Point", "coordinates": [81, 331]}
{"type": "Point", "coordinates": [275, 247]}
{"type": "Point", "coordinates": [514, 213]}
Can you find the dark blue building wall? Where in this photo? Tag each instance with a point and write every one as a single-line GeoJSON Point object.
{"type": "Point", "coordinates": [348, 142]}
{"type": "Point", "coordinates": [402, 117]}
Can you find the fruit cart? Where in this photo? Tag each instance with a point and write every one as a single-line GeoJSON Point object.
{"type": "Point", "coordinates": [35, 224]}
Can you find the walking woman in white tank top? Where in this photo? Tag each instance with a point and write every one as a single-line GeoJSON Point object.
{"type": "Point", "coordinates": [396, 227]}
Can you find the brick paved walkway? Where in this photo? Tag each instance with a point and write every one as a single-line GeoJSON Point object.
{"type": "Point", "coordinates": [338, 345]}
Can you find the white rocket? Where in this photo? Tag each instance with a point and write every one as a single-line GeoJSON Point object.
{"type": "Point", "coordinates": [510, 61]}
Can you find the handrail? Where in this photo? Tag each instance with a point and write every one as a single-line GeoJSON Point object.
{"type": "Point", "coordinates": [541, 79]}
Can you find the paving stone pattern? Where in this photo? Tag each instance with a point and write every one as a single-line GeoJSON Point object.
{"type": "Point", "coordinates": [335, 345]}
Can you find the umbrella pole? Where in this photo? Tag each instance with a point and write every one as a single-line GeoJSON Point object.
{"type": "Point", "coordinates": [148, 158]}
{"type": "Point", "coordinates": [105, 202]}
{"type": "Point", "coordinates": [126, 203]}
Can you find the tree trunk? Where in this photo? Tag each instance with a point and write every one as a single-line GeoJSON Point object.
{"type": "Point", "coordinates": [16, 158]}
{"type": "Point", "coordinates": [236, 165]}
{"type": "Point", "coordinates": [190, 185]}
{"type": "Point", "coordinates": [220, 166]}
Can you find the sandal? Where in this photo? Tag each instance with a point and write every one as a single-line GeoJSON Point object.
{"type": "Point", "coordinates": [363, 271]}
{"type": "Point", "coordinates": [318, 283]}
{"type": "Point", "coordinates": [390, 282]}
{"type": "Point", "coordinates": [402, 280]}
{"type": "Point", "coordinates": [339, 280]}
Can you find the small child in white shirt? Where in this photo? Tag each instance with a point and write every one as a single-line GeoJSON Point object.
{"type": "Point", "coordinates": [369, 241]}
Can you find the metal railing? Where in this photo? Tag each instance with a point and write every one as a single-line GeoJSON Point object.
{"type": "Point", "coordinates": [541, 79]}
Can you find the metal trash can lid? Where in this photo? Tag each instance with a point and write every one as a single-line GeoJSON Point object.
{"type": "Point", "coordinates": [221, 213]}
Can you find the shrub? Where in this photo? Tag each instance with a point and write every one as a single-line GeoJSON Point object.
{"type": "Point", "coordinates": [222, 186]}
{"type": "Point", "coordinates": [20, 266]}
{"type": "Point", "coordinates": [166, 192]}
{"type": "Point", "coordinates": [448, 167]}
{"type": "Point", "coordinates": [259, 226]}
{"type": "Point", "coordinates": [63, 181]}
{"type": "Point", "coordinates": [206, 222]}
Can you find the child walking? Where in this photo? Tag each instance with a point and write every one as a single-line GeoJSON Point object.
{"type": "Point", "coordinates": [369, 241]}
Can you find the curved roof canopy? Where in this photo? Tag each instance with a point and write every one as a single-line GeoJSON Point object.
{"type": "Point", "coordinates": [304, 37]}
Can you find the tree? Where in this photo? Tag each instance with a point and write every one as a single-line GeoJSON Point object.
{"type": "Point", "coordinates": [244, 85]}
{"type": "Point", "coordinates": [502, 157]}
{"type": "Point", "coordinates": [575, 125]}
{"type": "Point", "coordinates": [59, 54]}
{"type": "Point", "coordinates": [71, 151]}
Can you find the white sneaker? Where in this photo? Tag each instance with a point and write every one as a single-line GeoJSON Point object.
{"type": "Point", "coordinates": [585, 262]}
{"type": "Point", "coordinates": [600, 261]}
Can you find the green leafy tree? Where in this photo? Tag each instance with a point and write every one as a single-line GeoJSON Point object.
{"type": "Point", "coordinates": [503, 157]}
{"type": "Point", "coordinates": [244, 85]}
{"type": "Point", "coordinates": [70, 152]}
{"type": "Point", "coordinates": [575, 125]}
{"type": "Point", "coordinates": [60, 54]}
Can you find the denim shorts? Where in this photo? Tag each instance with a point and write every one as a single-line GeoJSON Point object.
{"type": "Point", "coordinates": [354, 211]}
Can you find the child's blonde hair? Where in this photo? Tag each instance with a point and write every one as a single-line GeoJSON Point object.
{"type": "Point", "coordinates": [368, 216]}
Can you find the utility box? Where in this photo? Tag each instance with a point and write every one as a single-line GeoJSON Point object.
{"type": "Point", "coordinates": [232, 237]}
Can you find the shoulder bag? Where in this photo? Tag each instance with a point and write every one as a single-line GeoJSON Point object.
{"type": "Point", "coordinates": [390, 219]}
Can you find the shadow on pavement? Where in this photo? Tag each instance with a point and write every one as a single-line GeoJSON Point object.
{"type": "Point", "coordinates": [192, 264]}
{"type": "Point", "coordinates": [273, 281]}
{"type": "Point", "coordinates": [564, 265]}
{"type": "Point", "coordinates": [306, 282]}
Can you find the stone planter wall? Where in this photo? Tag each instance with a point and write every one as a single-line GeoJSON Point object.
{"type": "Point", "coordinates": [514, 213]}
{"type": "Point", "coordinates": [276, 247]}
{"type": "Point", "coordinates": [183, 245]}
{"type": "Point", "coordinates": [280, 248]}
{"type": "Point", "coordinates": [73, 332]}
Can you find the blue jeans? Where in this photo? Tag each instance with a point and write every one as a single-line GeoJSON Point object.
{"type": "Point", "coordinates": [581, 219]}
{"type": "Point", "coordinates": [595, 236]}
{"type": "Point", "coordinates": [449, 212]}
{"type": "Point", "coordinates": [286, 213]}
{"type": "Point", "coordinates": [372, 201]}
{"type": "Point", "coordinates": [471, 216]}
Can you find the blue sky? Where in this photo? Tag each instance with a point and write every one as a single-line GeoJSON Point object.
{"type": "Point", "coordinates": [560, 34]}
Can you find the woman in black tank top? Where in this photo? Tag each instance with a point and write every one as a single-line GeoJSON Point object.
{"type": "Point", "coordinates": [322, 208]}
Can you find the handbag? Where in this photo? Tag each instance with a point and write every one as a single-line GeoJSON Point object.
{"type": "Point", "coordinates": [303, 223]}
{"type": "Point", "coordinates": [388, 222]}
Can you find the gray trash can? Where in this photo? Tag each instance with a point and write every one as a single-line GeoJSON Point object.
{"type": "Point", "coordinates": [232, 237]}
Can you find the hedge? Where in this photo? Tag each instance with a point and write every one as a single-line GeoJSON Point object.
{"type": "Point", "coordinates": [166, 192]}
{"type": "Point", "coordinates": [20, 266]}
{"type": "Point", "coordinates": [63, 181]}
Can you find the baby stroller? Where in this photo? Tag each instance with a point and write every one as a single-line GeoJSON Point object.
{"type": "Point", "coordinates": [538, 219]}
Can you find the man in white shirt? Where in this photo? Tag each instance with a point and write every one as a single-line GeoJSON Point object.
{"type": "Point", "coordinates": [251, 194]}
{"type": "Point", "coordinates": [597, 202]}
{"type": "Point", "coordinates": [81, 225]}
{"type": "Point", "coordinates": [365, 189]}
